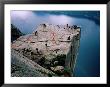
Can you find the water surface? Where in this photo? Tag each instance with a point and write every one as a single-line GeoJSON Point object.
{"type": "Point", "coordinates": [88, 61]}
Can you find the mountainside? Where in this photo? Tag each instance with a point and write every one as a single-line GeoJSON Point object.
{"type": "Point", "coordinates": [22, 66]}
{"type": "Point", "coordinates": [15, 33]}
{"type": "Point", "coordinates": [51, 50]}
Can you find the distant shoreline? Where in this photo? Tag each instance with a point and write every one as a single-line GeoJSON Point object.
{"type": "Point", "coordinates": [92, 15]}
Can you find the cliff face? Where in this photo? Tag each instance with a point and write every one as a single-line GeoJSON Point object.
{"type": "Point", "coordinates": [52, 48]}
{"type": "Point", "coordinates": [72, 54]}
{"type": "Point", "coordinates": [15, 33]}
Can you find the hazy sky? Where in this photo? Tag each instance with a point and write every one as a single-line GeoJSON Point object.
{"type": "Point", "coordinates": [28, 20]}
{"type": "Point", "coordinates": [89, 52]}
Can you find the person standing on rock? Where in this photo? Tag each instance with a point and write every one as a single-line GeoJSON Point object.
{"type": "Point", "coordinates": [36, 33]}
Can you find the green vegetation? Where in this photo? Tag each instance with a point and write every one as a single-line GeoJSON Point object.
{"type": "Point", "coordinates": [41, 61]}
{"type": "Point", "coordinates": [14, 68]}
{"type": "Point", "coordinates": [61, 60]}
{"type": "Point", "coordinates": [66, 71]}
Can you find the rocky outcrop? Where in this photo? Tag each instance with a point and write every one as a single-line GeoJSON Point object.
{"type": "Point", "coordinates": [58, 69]}
{"type": "Point", "coordinates": [22, 66]}
{"type": "Point", "coordinates": [51, 51]}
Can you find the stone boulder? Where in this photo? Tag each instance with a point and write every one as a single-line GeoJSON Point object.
{"type": "Point", "coordinates": [57, 69]}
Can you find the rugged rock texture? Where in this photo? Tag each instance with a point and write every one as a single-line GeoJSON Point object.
{"type": "Point", "coordinates": [50, 51]}
{"type": "Point", "coordinates": [22, 66]}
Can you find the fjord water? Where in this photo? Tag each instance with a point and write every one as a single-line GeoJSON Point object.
{"type": "Point", "coordinates": [88, 60]}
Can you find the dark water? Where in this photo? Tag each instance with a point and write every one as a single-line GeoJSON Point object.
{"type": "Point", "coordinates": [88, 61]}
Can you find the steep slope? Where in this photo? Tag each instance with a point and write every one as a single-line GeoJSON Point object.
{"type": "Point", "coordinates": [15, 33]}
{"type": "Point", "coordinates": [22, 66]}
